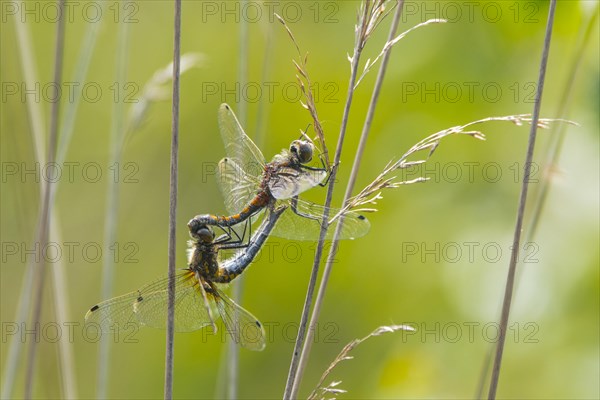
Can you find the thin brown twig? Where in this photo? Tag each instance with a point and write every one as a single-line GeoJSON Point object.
{"type": "Point", "coordinates": [327, 270]}
{"type": "Point", "coordinates": [169, 354]}
{"type": "Point", "coordinates": [521, 211]}
{"type": "Point", "coordinates": [554, 149]}
{"type": "Point", "coordinates": [354, 62]}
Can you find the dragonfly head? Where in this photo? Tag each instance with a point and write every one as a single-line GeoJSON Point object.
{"type": "Point", "coordinates": [200, 232]}
{"type": "Point", "coordinates": [302, 150]}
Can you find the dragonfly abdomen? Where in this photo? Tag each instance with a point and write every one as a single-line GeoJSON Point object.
{"type": "Point", "coordinates": [256, 204]}
{"type": "Point", "coordinates": [234, 266]}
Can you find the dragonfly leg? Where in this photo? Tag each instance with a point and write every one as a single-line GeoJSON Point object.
{"type": "Point", "coordinates": [229, 235]}
{"type": "Point", "coordinates": [329, 171]}
{"type": "Point", "coordinates": [227, 243]}
{"type": "Point", "coordinates": [323, 169]}
{"type": "Point", "coordinates": [294, 204]}
{"type": "Point", "coordinates": [326, 181]}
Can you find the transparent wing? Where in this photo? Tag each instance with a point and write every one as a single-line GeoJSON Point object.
{"type": "Point", "coordinates": [237, 186]}
{"type": "Point", "coordinates": [148, 306]}
{"type": "Point", "coordinates": [298, 227]}
{"type": "Point", "coordinates": [237, 144]}
{"type": "Point", "coordinates": [289, 182]}
{"type": "Point", "coordinates": [242, 326]}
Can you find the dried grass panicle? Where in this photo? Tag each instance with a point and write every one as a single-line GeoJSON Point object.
{"type": "Point", "coordinates": [369, 16]}
{"type": "Point", "coordinates": [304, 338]}
{"type": "Point", "coordinates": [331, 388]}
{"type": "Point", "coordinates": [305, 85]}
{"type": "Point", "coordinates": [372, 192]}
{"type": "Point", "coordinates": [301, 347]}
{"type": "Point", "coordinates": [369, 64]}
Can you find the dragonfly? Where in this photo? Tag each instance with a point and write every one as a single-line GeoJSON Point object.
{"type": "Point", "coordinates": [199, 300]}
{"type": "Point", "coordinates": [250, 185]}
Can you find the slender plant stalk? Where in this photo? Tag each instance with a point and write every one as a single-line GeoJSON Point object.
{"type": "Point", "coordinates": [233, 359]}
{"type": "Point", "coordinates": [355, 167]}
{"type": "Point", "coordinates": [67, 364]}
{"type": "Point", "coordinates": [61, 289]}
{"type": "Point", "coordinates": [46, 208]}
{"type": "Point", "coordinates": [117, 134]}
{"type": "Point", "coordinates": [242, 111]}
{"type": "Point", "coordinates": [64, 139]}
{"type": "Point", "coordinates": [36, 121]}
{"type": "Point", "coordinates": [561, 112]}
{"type": "Point", "coordinates": [69, 115]}
{"type": "Point", "coordinates": [521, 210]}
{"type": "Point", "coordinates": [34, 109]}
{"type": "Point", "coordinates": [221, 379]}
{"type": "Point", "coordinates": [319, 251]}
{"type": "Point", "coordinates": [262, 109]}
{"type": "Point", "coordinates": [551, 159]}
{"type": "Point", "coordinates": [169, 354]}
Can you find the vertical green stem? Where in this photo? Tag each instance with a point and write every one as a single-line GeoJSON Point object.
{"type": "Point", "coordinates": [510, 281]}
{"type": "Point", "coordinates": [117, 134]}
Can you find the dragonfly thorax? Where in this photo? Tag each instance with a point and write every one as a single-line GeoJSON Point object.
{"type": "Point", "coordinates": [203, 259]}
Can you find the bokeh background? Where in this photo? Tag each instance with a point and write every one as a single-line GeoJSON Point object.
{"type": "Point", "coordinates": [437, 253]}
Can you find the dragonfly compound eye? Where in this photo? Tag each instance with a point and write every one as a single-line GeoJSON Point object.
{"type": "Point", "coordinates": [303, 150]}
{"type": "Point", "coordinates": [205, 234]}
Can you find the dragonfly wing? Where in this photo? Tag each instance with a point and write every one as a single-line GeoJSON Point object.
{"type": "Point", "coordinates": [290, 182]}
{"type": "Point", "coordinates": [237, 186]}
{"type": "Point", "coordinates": [242, 326]}
{"type": "Point", "coordinates": [298, 227]}
{"type": "Point", "coordinates": [237, 144]}
{"type": "Point", "coordinates": [148, 306]}
{"type": "Point", "coordinates": [355, 225]}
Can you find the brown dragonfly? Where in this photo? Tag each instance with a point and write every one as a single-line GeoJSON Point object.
{"type": "Point", "coordinates": [250, 185]}
{"type": "Point", "coordinates": [199, 300]}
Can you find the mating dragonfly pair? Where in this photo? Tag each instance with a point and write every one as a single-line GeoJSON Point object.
{"type": "Point", "coordinates": [250, 187]}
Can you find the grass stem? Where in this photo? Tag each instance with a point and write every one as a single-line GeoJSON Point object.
{"type": "Point", "coordinates": [117, 134]}
{"type": "Point", "coordinates": [559, 130]}
{"type": "Point", "coordinates": [328, 265]}
{"type": "Point", "coordinates": [552, 156]}
{"type": "Point", "coordinates": [521, 210]}
{"type": "Point", "coordinates": [170, 340]}
{"type": "Point", "coordinates": [288, 393]}
{"type": "Point", "coordinates": [36, 121]}
{"type": "Point", "coordinates": [46, 207]}
{"type": "Point", "coordinates": [61, 289]}
{"type": "Point", "coordinates": [263, 103]}
{"type": "Point", "coordinates": [233, 350]}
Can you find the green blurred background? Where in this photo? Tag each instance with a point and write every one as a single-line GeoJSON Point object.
{"type": "Point", "coordinates": [415, 266]}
